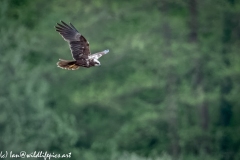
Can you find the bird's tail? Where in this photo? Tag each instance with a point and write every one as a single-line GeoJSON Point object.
{"type": "Point", "coordinates": [66, 64]}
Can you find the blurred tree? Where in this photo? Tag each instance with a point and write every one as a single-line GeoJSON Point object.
{"type": "Point", "coordinates": [26, 123]}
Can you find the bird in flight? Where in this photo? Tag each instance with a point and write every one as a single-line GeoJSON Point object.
{"type": "Point", "coordinates": [79, 47]}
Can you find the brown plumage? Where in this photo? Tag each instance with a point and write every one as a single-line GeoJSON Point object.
{"type": "Point", "coordinates": [79, 47]}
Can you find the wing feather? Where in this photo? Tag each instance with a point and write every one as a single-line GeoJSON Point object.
{"type": "Point", "coordinates": [79, 46]}
{"type": "Point", "coordinates": [99, 54]}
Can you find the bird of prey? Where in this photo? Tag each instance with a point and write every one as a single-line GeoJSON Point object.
{"type": "Point", "coordinates": [79, 47]}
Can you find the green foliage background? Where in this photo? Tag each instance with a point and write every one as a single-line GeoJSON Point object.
{"type": "Point", "coordinates": [168, 89]}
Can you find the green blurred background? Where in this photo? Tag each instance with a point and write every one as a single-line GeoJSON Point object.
{"type": "Point", "coordinates": [169, 89]}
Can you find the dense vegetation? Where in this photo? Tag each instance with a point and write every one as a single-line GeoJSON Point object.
{"type": "Point", "coordinates": [168, 89]}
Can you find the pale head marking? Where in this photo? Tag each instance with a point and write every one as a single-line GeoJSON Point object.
{"type": "Point", "coordinates": [97, 62]}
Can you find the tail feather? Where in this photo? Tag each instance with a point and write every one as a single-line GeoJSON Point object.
{"type": "Point", "coordinates": [65, 64]}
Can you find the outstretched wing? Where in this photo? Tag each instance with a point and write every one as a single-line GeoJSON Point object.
{"type": "Point", "coordinates": [78, 44]}
{"type": "Point", "coordinates": [99, 54]}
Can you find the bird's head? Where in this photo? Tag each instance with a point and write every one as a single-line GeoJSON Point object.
{"type": "Point", "coordinates": [96, 62]}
